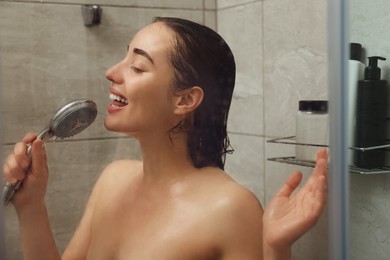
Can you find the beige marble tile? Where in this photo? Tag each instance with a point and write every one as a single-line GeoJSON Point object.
{"type": "Point", "coordinates": [210, 4]}
{"type": "Point", "coordinates": [245, 165]}
{"type": "Point", "coordinates": [245, 40]}
{"type": "Point", "coordinates": [210, 19]}
{"type": "Point", "coordinates": [53, 58]}
{"type": "Point", "coordinates": [295, 60]}
{"type": "Point", "coordinates": [232, 3]}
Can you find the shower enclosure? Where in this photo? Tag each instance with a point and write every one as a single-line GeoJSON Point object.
{"type": "Point", "coordinates": [49, 56]}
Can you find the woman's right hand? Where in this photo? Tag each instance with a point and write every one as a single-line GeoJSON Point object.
{"type": "Point", "coordinates": [33, 171]}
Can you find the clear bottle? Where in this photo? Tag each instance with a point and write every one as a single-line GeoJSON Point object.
{"type": "Point", "coordinates": [311, 128]}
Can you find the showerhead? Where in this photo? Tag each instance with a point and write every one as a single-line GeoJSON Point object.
{"type": "Point", "coordinates": [68, 121]}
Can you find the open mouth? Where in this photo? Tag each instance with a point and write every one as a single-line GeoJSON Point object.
{"type": "Point", "coordinates": [118, 100]}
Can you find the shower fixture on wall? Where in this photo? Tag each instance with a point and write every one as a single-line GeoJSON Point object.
{"type": "Point", "coordinates": [91, 14]}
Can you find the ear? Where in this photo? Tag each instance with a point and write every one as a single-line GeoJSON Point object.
{"type": "Point", "coordinates": [188, 100]}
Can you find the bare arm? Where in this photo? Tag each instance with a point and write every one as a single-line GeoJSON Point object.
{"type": "Point", "coordinates": [241, 225]}
{"type": "Point", "coordinates": [36, 234]}
{"type": "Point", "coordinates": [79, 244]}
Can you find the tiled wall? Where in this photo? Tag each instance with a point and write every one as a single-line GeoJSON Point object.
{"type": "Point", "coordinates": [281, 54]}
{"type": "Point", "coordinates": [49, 57]}
{"type": "Point", "coordinates": [370, 194]}
{"type": "Point", "coordinates": [240, 25]}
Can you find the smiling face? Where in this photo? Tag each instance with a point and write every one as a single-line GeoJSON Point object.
{"type": "Point", "coordinates": [142, 92]}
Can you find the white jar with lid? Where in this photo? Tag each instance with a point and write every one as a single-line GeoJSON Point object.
{"type": "Point", "coordinates": [311, 128]}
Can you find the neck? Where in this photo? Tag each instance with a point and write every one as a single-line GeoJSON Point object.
{"type": "Point", "coordinates": [165, 159]}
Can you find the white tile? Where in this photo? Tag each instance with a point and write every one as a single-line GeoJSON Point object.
{"type": "Point", "coordinates": [295, 60]}
{"type": "Point", "coordinates": [244, 38]}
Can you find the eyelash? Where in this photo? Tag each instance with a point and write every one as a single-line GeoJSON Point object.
{"type": "Point", "coordinates": [136, 70]}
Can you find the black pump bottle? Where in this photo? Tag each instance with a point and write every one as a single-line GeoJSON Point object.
{"type": "Point", "coordinates": [371, 114]}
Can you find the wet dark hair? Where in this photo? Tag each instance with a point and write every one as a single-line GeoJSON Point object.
{"type": "Point", "coordinates": [200, 57]}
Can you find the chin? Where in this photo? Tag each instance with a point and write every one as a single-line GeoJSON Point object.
{"type": "Point", "coordinates": [108, 126]}
{"type": "Point", "coordinates": [116, 127]}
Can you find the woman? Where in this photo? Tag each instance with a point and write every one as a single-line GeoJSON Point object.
{"type": "Point", "coordinates": [172, 92]}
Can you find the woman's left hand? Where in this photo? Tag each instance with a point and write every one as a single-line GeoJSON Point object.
{"type": "Point", "coordinates": [287, 217]}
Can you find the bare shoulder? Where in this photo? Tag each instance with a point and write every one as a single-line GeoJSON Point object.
{"type": "Point", "coordinates": [232, 195]}
{"type": "Point", "coordinates": [235, 216]}
{"type": "Point", "coordinates": [117, 174]}
{"type": "Point", "coordinates": [112, 180]}
{"type": "Point", "coordinates": [121, 169]}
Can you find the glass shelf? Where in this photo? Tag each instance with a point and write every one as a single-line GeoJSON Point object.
{"type": "Point", "coordinates": [353, 169]}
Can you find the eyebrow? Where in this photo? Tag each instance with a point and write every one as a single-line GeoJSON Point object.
{"type": "Point", "coordinates": [142, 53]}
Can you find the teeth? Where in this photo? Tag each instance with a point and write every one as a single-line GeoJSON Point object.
{"type": "Point", "coordinates": [118, 98]}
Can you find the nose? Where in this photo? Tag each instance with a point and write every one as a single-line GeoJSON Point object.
{"type": "Point", "coordinates": [114, 74]}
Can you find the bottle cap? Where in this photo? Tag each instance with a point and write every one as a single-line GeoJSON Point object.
{"type": "Point", "coordinates": [355, 51]}
{"type": "Point", "coordinates": [372, 71]}
{"type": "Point", "coordinates": [319, 106]}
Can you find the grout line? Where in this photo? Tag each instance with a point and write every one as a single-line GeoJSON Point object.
{"type": "Point", "coordinates": [81, 140]}
{"type": "Point", "coordinates": [237, 5]}
{"type": "Point", "coordinates": [105, 5]}
{"type": "Point", "coordinates": [70, 140]}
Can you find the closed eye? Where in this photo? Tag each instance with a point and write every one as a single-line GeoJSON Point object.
{"type": "Point", "coordinates": [136, 69]}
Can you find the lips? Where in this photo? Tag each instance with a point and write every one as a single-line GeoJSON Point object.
{"type": "Point", "coordinates": [118, 100]}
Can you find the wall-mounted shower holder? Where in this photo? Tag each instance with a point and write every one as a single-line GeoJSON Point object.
{"type": "Point", "coordinates": [91, 14]}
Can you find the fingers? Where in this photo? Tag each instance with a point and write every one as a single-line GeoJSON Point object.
{"type": "Point", "coordinates": [317, 184]}
{"type": "Point", "coordinates": [322, 189]}
{"type": "Point", "coordinates": [321, 171]}
{"type": "Point", "coordinates": [39, 157]}
{"type": "Point", "coordinates": [318, 200]}
{"type": "Point", "coordinates": [321, 167]}
{"type": "Point", "coordinates": [313, 184]}
{"type": "Point", "coordinates": [18, 162]}
{"type": "Point", "coordinates": [290, 184]}
{"type": "Point", "coordinates": [322, 155]}
{"type": "Point", "coordinates": [29, 138]}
